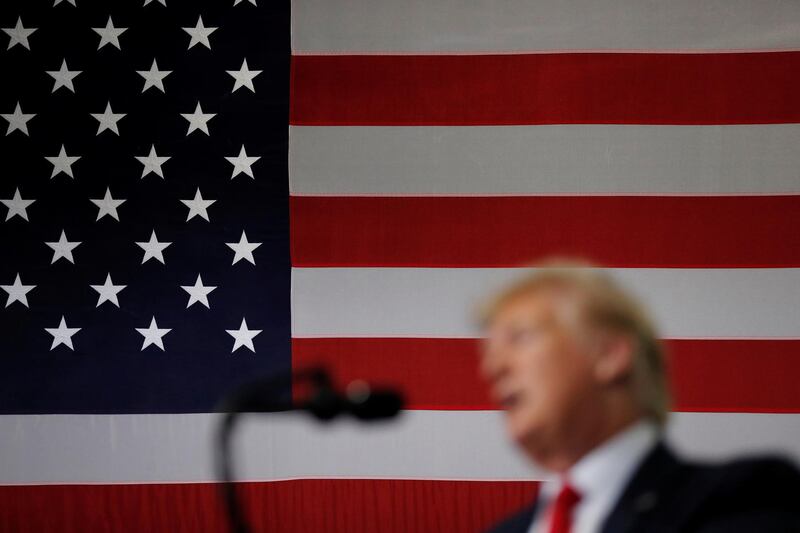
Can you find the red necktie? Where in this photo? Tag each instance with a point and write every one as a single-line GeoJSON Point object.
{"type": "Point", "coordinates": [561, 518]}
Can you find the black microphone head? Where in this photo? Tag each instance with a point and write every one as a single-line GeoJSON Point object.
{"type": "Point", "coordinates": [372, 404]}
{"type": "Point", "coordinates": [325, 404]}
{"type": "Point", "coordinates": [360, 401]}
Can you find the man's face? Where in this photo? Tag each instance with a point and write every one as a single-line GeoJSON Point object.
{"type": "Point", "coordinates": [540, 368]}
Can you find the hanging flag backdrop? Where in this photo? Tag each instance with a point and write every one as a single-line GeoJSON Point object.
{"type": "Point", "coordinates": [198, 193]}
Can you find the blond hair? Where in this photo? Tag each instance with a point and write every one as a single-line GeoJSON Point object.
{"type": "Point", "coordinates": [605, 305]}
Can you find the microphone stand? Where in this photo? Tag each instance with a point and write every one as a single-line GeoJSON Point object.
{"type": "Point", "coordinates": [256, 397]}
{"type": "Point", "coordinates": [225, 474]}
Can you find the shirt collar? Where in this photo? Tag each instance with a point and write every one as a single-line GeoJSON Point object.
{"type": "Point", "coordinates": [610, 465]}
{"type": "Point", "coordinates": [605, 470]}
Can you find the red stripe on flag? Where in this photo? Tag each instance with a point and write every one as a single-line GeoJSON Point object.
{"type": "Point", "coordinates": [299, 506]}
{"type": "Point", "coordinates": [757, 231]}
{"type": "Point", "coordinates": [601, 88]}
{"type": "Point", "coordinates": [707, 375]}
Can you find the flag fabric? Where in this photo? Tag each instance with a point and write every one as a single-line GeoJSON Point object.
{"type": "Point", "coordinates": [147, 210]}
{"type": "Point", "coordinates": [351, 210]}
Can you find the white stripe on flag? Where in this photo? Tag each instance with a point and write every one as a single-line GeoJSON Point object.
{"type": "Point", "coordinates": [436, 302]}
{"type": "Point", "coordinates": [372, 26]}
{"type": "Point", "coordinates": [560, 159]}
{"type": "Point", "coordinates": [421, 445]}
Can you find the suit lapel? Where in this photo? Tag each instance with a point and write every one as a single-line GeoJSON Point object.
{"type": "Point", "coordinates": [530, 513]}
{"type": "Point", "coordinates": [520, 522]}
{"type": "Point", "coordinates": [643, 493]}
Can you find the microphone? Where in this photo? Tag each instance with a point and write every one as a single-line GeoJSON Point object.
{"type": "Point", "coordinates": [359, 400]}
{"type": "Point", "coordinates": [325, 403]}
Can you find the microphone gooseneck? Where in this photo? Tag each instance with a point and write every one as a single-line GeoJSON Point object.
{"type": "Point", "coordinates": [324, 403]}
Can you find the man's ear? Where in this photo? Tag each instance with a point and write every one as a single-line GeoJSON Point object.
{"type": "Point", "coordinates": [614, 361]}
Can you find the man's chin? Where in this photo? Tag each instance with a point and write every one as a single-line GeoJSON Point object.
{"type": "Point", "coordinates": [519, 431]}
{"type": "Point", "coordinates": [530, 439]}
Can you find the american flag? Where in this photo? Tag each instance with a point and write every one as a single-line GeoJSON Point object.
{"type": "Point", "coordinates": [415, 156]}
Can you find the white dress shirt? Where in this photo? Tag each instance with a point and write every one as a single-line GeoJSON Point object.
{"type": "Point", "coordinates": [600, 477]}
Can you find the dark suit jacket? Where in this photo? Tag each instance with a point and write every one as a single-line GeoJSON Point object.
{"type": "Point", "coordinates": [669, 495]}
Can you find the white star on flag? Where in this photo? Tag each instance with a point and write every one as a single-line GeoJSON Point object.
{"type": "Point", "coordinates": [244, 77]}
{"type": "Point", "coordinates": [63, 248]}
{"type": "Point", "coordinates": [17, 292]}
{"type": "Point", "coordinates": [200, 34]}
{"type": "Point", "coordinates": [198, 206]}
{"type": "Point", "coordinates": [152, 162]}
{"type": "Point", "coordinates": [153, 335]}
{"type": "Point", "coordinates": [62, 334]}
{"type": "Point", "coordinates": [153, 249]}
{"type": "Point", "coordinates": [198, 292]}
{"type": "Point", "coordinates": [154, 77]}
{"type": "Point", "coordinates": [107, 292]}
{"type": "Point", "coordinates": [198, 120]}
{"type": "Point", "coordinates": [108, 120]}
{"type": "Point", "coordinates": [242, 163]}
{"type": "Point", "coordinates": [63, 77]}
{"type": "Point", "coordinates": [107, 206]}
{"type": "Point", "coordinates": [243, 336]}
{"type": "Point", "coordinates": [109, 35]}
{"type": "Point", "coordinates": [17, 206]}
{"type": "Point", "coordinates": [62, 163]}
{"type": "Point", "coordinates": [17, 120]}
{"type": "Point", "coordinates": [243, 249]}
{"type": "Point", "coordinates": [19, 35]}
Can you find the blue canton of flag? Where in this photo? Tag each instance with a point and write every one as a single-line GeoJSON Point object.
{"type": "Point", "coordinates": [145, 238]}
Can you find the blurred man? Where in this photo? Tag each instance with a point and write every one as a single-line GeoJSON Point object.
{"type": "Point", "coordinates": [579, 370]}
